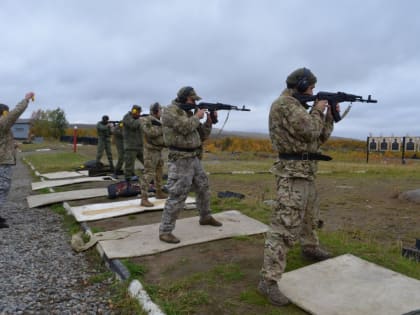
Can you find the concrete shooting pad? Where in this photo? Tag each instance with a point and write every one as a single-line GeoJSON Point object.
{"type": "Point", "coordinates": [63, 182]}
{"type": "Point", "coordinates": [352, 286]}
{"type": "Point", "coordinates": [62, 175]}
{"type": "Point", "coordinates": [46, 199]}
{"type": "Point", "coordinates": [144, 240]}
{"type": "Point", "coordinates": [98, 211]}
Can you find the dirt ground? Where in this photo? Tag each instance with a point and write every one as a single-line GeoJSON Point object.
{"type": "Point", "coordinates": [359, 205]}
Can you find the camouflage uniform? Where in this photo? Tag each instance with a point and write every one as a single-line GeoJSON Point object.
{"type": "Point", "coordinates": [183, 134]}
{"type": "Point", "coordinates": [7, 149]}
{"type": "Point", "coordinates": [133, 148]}
{"type": "Point", "coordinates": [295, 214]}
{"type": "Point", "coordinates": [153, 146]}
{"type": "Point", "coordinates": [117, 131]}
{"type": "Point", "coordinates": [104, 142]}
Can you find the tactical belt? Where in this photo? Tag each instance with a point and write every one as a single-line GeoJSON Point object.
{"type": "Point", "coordinates": [305, 156]}
{"type": "Point", "coordinates": [184, 149]}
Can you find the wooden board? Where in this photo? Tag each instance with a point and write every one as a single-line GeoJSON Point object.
{"type": "Point", "coordinates": [144, 240]}
{"type": "Point", "coordinates": [46, 199]}
{"type": "Point", "coordinates": [349, 285]}
{"type": "Point", "coordinates": [100, 211]}
{"type": "Point", "coordinates": [70, 181]}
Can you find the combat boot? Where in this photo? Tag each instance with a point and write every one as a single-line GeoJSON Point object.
{"type": "Point", "coordinates": [271, 290]}
{"type": "Point", "coordinates": [146, 203]}
{"type": "Point", "coordinates": [160, 194]}
{"type": "Point", "coordinates": [315, 253]}
{"type": "Point", "coordinates": [210, 221]}
{"type": "Point", "coordinates": [169, 238]}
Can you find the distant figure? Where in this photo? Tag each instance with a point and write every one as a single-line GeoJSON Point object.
{"type": "Point", "coordinates": [8, 148]}
{"type": "Point", "coordinates": [184, 134]}
{"type": "Point", "coordinates": [103, 128]}
{"type": "Point", "coordinates": [153, 146]}
{"type": "Point", "coordinates": [117, 132]}
{"type": "Point", "coordinates": [133, 148]}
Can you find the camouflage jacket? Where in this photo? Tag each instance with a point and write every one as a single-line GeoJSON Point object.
{"type": "Point", "coordinates": [153, 133]}
{"type": "Point", "coordinates": [117, 131]}
{"type": "Point", "coordinates": [104, 131]}
{"type": "Point", "coordinates": [7, 143]}
{"type": "Point", "coordinates": [294, 130]}
{"type": "Point", "coordinates": [132, 133]}
{"type": "Point", "coordinates": [183, 132]}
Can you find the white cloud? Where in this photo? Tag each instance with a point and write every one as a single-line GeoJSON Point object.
{"type": "Point", "coordinates": [94, 57]}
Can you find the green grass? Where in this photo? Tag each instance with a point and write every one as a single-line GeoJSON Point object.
{"type": "Point", "coordinates": [190, 294]}
{"type": "Point", "coordinates": [56, 161]}
{"type": "Point", "coordinates": [136, 270]}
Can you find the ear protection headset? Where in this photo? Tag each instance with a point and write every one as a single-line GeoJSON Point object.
{"type": "Point", "coordinates": [4, 109]}
{"type": "Point", "coordinates": [155, 108]}
{"type": "Point", "coordinates": [135, 110]}
{"type": "Point", "coordinates": [303, 83]}
{"type": "Point", "coordinates": [187, 91]}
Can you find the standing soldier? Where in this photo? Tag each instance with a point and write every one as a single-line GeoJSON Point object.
{"type": "Point", "coordinates": [8, 148]}
{"type": "Point", "coordinates": [117, 131]}
{"type": "Point", "coordinates": [184, 134]}
{"type": "Point", "coordinates": [103, 128]}
{"type": "Point", "coordinates": [297, 136]}
{"type": "Point", "coordinates": [133, 148]}
{"type": "Point", "coordinates": [153, 146]}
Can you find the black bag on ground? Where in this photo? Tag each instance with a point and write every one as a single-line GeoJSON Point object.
{"type": "Point", "coordinates": [123, 189]}
{"type": "Point", "coordinates": [95, 168]}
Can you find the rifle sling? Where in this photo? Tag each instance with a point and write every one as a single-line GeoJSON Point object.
{"type": "Point", "coordinates": [305, 156]}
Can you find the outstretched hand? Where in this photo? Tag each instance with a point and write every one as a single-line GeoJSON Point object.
{"type": "Point", "coordinates": [30, 96]}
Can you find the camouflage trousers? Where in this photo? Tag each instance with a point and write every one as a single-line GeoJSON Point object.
{"type": "Point", "coordinates": [5, 182]}
{"type": "Point", "coordinates": [119, 143]}
{"type": "Point", "coordinates": [184, 175]}
{"type": "Point", "coordinates": [130, 157]}
{"type": "Point", "coordinates": [153, 167]}
{"type": "Point", "coordinates": [294, 218]}
{"type": "Point", "coordinates": [104, 144]}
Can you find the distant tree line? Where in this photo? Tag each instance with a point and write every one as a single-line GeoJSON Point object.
{"type": "Point", "coordinates": [49, 123]}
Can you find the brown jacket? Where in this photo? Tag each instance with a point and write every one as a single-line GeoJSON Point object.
{"type": "Point", "coordinates": [7, 143]}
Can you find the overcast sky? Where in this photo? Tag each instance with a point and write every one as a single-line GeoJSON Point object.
{"type": "Point", "coordinates": [92, 57]}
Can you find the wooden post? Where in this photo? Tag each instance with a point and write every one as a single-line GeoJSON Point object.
{"type": "Point", "coordinates": [75, 139]}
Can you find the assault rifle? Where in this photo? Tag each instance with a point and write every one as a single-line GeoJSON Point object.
{"type": "Point", "coordinates": [333, 99]}
{"type": "Point", "coordinates": [114, 122]}
{"type": "Point", "coordinates": [212, 107]}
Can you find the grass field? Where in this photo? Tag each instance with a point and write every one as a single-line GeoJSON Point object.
{"type": "Point", "coordinates": [359, 206]}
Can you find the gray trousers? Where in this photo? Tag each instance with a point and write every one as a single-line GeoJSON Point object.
{"type": "Point", "coordinates": [184, 175]}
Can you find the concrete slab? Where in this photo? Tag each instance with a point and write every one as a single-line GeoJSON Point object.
{"type": "Point", "coordinates": [62, 175]}
{"type": "Point", "coordinates": [98, 211]}
{"type": "Point", "coordinates": [63, 182]}
{"type": "Point", "coordinates": [46, 199]}
{"type": "Point", "coordinates": [351, 286]}
{"type": "Point", "coordinates": [144, 240]}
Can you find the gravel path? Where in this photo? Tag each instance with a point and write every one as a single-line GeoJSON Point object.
{"type": "Point", "coordinates": [39, 272]}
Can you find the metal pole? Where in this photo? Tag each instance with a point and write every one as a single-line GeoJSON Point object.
{"type": "Point", "coordinates": [367, 150]}
{"type": "Point", "coordinates": [403, 152]}
{"type": "Point", "coordinates": [75, 139]}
